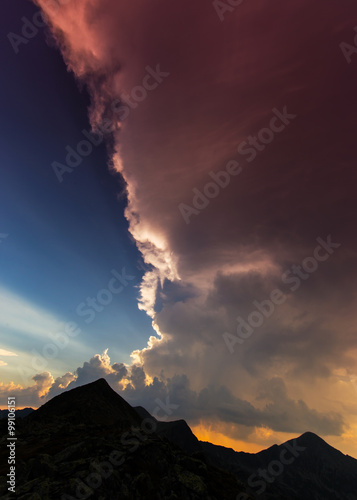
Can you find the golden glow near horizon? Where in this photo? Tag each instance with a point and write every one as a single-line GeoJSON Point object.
{"type": "Point", "coordinates": [204, 433]}
{"type": "Point", "coordinates": [347, 443]}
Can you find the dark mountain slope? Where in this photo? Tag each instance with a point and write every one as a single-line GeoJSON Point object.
{"type": "Point", "coordinates": [177, 432]}
{"type": "Point", "coordinates": [89, 443]}
{"type": "Point", "coordinates": [93, 404]}
{"type": "Point", "coordinates": [303, 468]}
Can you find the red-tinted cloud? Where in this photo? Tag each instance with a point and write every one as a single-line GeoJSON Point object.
{"type": "Point", "coordinates": [222, 83]}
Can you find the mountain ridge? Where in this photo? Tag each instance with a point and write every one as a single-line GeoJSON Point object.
{"type": "Point", "coordinates": [81, 404]}
{"type": "Point", "coordinates": [314, 470]}
{"type": "Point", "coordinates": [88, 442]}
{"type": "Point", "coordinates": [68, 439]}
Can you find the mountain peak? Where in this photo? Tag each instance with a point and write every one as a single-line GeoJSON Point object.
{"type": "Point", "coordinates": [310, 439]}
{"type": "Point", "coordinates": [311, 436]}
{"type": "Point", "coordinates": [100, 382]}
{"type": "Point", "coordinates": [94, 403]}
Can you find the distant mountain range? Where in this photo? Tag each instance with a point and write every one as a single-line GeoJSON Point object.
{"type": "Point", "coordinates": [303, 468]}
{"type": "Point", "coordinates": [90, 443]}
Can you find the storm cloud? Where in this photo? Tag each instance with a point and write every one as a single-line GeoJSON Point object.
{"type": "Point", "coordinates": [235, 134]}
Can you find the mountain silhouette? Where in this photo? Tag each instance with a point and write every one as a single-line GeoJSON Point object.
{"type": "Point", "coordinates": [88, 442]}
{"type": "Point", "coordinates": [306, 467]}
{"type": "Point", "coordinates": [177, 432]}
{"type": "Point", "coordinates": [92, 404]}
{"type": "Point", "coordinates": [316, 470]}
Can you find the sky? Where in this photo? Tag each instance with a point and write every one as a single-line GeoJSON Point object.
{"type": "Point", "coordinates": [178, 208]}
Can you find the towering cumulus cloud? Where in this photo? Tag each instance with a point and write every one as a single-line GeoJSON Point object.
{"type": "Point", "coordinates": [233, 128]}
